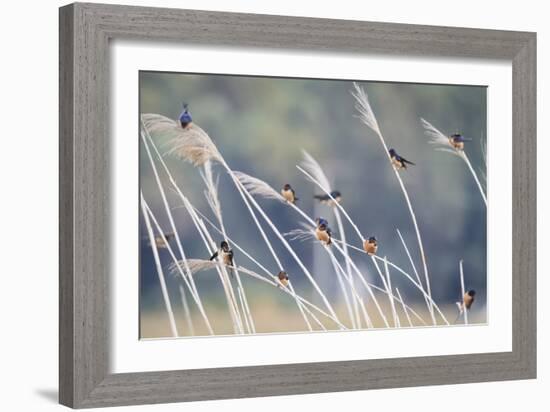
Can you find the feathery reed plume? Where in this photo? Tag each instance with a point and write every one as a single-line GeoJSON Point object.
{"type": "Point", "coordinates": [301, 235]}
{"type": "Point", "coordinates": [314, 168]}
{"type": "Point", "coordinates": [160, 273]}
{"type": "Point", "coordinates": [191, 284]}
{"type": "Point", "coordinates": [366, 115]}
{"type": "Point", "coordinates": [439, 139]}
{"type": "Point", "coordinates": [404, 307]}
{"type": "Point", "coordinates": [191, 144]}
{"type": "Point", "coordinates": [258, 187]}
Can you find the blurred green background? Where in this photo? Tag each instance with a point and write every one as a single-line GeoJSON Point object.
{"type": "Point", "coordinates": [260, 125]}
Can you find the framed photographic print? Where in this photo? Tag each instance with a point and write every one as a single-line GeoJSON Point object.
{"type": "Point", "coordinates": [257, 205]}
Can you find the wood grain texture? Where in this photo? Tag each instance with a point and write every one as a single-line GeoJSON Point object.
{"type": "Point", "coordinates": [85, 31]}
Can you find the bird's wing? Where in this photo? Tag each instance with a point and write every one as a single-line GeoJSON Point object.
{"type": "Point", "coordinates": [214, 256]}
{"type": "Point", "coordinates": [407, 161]}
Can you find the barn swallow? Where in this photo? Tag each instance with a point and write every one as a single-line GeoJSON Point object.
{"type": "Point", "coordinates": [289, 194]}
{"type": "Point", "coordinates": [323, 232]}
{"type": "Point", "coordinates": [283, 278]}
{"type": "Point", "coordinates": [397, 161]}
{"type": "Point", "coordinates": [225, 253]}
{"type": "Point", "coordinates": [185, 117]}
{"type": "Point", "coordinates": [467, 301]}
{"type": "Point", "coordinates": [457, 141]}
{"type": "Point", "coordinates": [370, 245]}
{"type": "Point", "coordinates": [159, 240]}
{"type": "Point", "coordinates": [326, 198]}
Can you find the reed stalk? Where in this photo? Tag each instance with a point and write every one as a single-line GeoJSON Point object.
{"type": "Point", "coordinates": [215, 205]}
{"type": "Point", "coordinates": [208, 242]}
{"type": "Point", "coordinates": [369, 119]}
{"type": "Point", "coordinates": [191, 284]}
{"type": "Point", "coordinates": [265, 270]}
{"type": "Point", "coordinates": [439, 139]}
{"type": "Point", "coordinates": [160, 273]}
{"type": "Point", "coordinates": [413, 265]}
{"type": "Point", "coordinates": [463, 288]}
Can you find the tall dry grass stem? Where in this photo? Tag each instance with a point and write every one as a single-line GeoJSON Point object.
{"type": "Point", "coordinates": [463, 288]}
{"type": "Point", "coordinates": [190, 283]}
{"type": "Point", "coordinates": [160, 273]}
{"type": "Point", "coordinates": [444, 145]}
{"type": "Point", "coordinates": [369, 119]}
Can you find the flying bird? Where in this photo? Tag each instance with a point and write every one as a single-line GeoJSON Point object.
{"type": "Point", "coordinates": [370, 245]}
{"type": "Point", "coordinates": [225, 253]}
{"type": "Point", "coordinates": [283, 278]}
{"type": "Point", "coordinates": [457, 141]}
{"type": "Point", "coordinates": [185, 117]}
{"type": "Point", "coordinates": [323, 232]}
{"type": "Point", "coordinates": [289, 194]}
{"type": "Point", "coordinates": [326, 199]}
{"type": "Point", "coordinates": [399, 162]}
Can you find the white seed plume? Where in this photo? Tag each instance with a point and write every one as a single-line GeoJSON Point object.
{"type": "Point", "coordinates": [191, 144]}
{"type": "Point", "coordinates": [258, 187]}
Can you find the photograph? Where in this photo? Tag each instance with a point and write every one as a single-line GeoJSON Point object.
{"type": "Point", "coordinates": [272, 205]}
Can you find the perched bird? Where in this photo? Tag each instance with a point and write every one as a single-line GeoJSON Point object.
{"type": "Point", "coordinates": [283, 278]}
{"type": "Point", "coordinates": [399, 162]}
{"type": "Point", "coordinates": [225, 253]}
{"type": "Point", "coordinates": [467, 301]}
{"type": "Point", "coordinates": [326, 199]}
{"type": "Point", "coordinates": [289, 194]}
{"type": "Point", "coordinates": [457, 141]}
{"type": "Point", "coordinates": [159, 240]}
{"type": "Point", "coordinates": [185, 117]}
{"type": "Point", "coordinates": [370, 245]}
{"type": "Point", "coordinates": [323, 232]}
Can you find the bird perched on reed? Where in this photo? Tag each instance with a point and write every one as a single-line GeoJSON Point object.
{"type": "Point", "coordinates": [160, 242]}
{"type": "Point", "coordinates": [283, 278]}
{"type": "Point", "coordinates": [185, 138]}
{"type": "Point", "coordinates": [467, 301]}
{"type": "Point", "coordinates": [399, 162]}
{"type": "Point", "coordinates": [185, 117]}
{"type": "Point", "coordinates": [327, 200]}
{"type": "Point", "coordinates": [457, 141]}
{"type": "Point", "coordinates": [289, 194]}
{"type": "Point", "coordinates": [323, 232]}
{"type": "Point", "coordinates": [370, 245]}
{"type": "Point", "coordinates": [225, 253]}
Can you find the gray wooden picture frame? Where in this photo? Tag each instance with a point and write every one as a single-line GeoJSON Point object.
{"type": "Point", "coordinates": [85, 33]}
